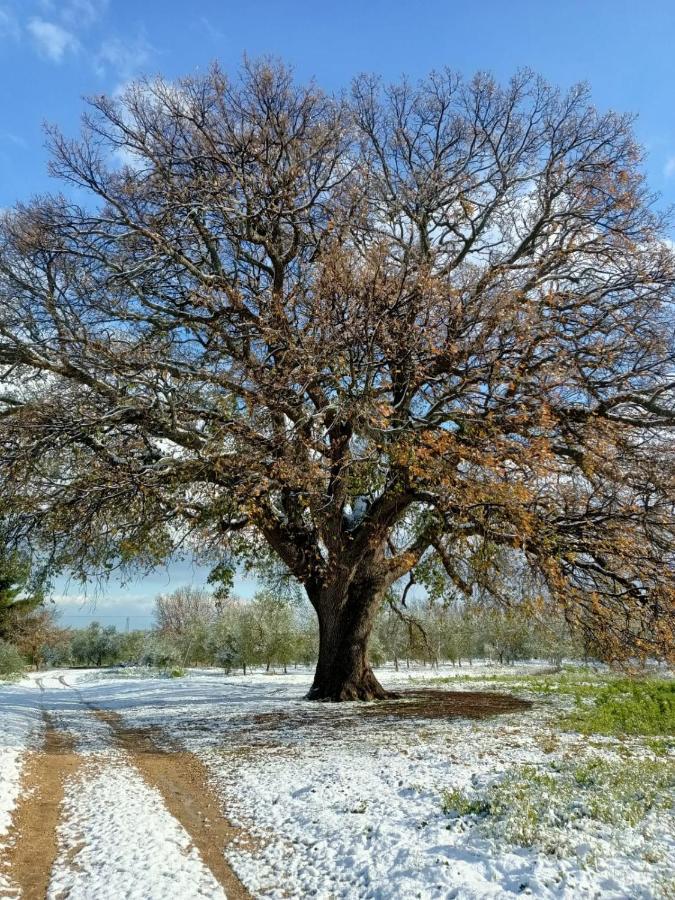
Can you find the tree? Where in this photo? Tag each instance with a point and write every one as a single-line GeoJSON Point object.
{"type": "Point", "coordinates": [275, 616]}
{"type": "Point", "coordinates": [351, 334]}
{"type": "Point", "coordinates": [19, 597]}
{"type": "Point", "coordinates": [95, 645]}
{"type": "Point", "coordinates": [38, 638]}
{"type": "Point", "coordinates": [186, 617]}
{"type": "Point", "coordinates": [246, 642]}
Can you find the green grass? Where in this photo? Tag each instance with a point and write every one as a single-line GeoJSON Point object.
{"type": "Point", "coordinates": [532, 805]}
{"type": "Point", "coordinates": [457, 803]}
{"type": "Point", "coordinates": [604, 703]}
{"type": "Point", "coordinates": [626, 707]}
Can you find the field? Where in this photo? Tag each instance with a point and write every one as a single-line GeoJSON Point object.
{"type": "Point", "coordinates": [485, 782]}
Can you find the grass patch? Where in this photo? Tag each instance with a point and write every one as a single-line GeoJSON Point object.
{"type": "Point", "coordinates": [604, 703]}
{"type": "Point", "coordinates": [457, 803]}
{"type": "Point", "coordinates": [176, 672]}
{"type": "Point", "coordinates": [627, 706]}
{"type": "Point", "coordinates": [533, 806]}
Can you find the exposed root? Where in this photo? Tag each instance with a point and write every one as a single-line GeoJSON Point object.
{"type": "Point", "coordinates": [337, 690]}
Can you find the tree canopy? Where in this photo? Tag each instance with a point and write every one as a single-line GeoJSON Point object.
{"type": "Point", "coordinates": [408, 327]}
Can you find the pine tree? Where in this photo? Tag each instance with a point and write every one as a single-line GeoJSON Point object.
{"type": "Point", "coordinates": [18, 595]}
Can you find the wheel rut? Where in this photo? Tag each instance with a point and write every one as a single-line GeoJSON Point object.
{"type": "Point", "coordinates": [32, 843]}
{"type": "Point", "coordinates": [183, 783]}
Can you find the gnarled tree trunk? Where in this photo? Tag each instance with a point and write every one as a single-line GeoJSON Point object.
{"type": "Point", "coordinates": [346, 617]}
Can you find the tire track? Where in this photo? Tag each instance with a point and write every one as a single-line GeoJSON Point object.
{"type": "Point", "coordinates": [182, 781]}
{"type": "Point", "coordinates": [32, 839]}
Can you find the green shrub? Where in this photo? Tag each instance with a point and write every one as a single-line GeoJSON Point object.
{"type": "Point", "coordinates": [457, 803]}
{"type": "Point", "coordinates": [11, 661]}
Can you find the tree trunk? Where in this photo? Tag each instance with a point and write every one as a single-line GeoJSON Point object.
{"type": "Point", "coordinates": [346, 618]}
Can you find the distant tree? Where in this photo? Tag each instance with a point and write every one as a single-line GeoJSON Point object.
{"type": "Point", "coordinates": [178, 612]}
{"type": "Point", "coordinates": [95, 645]}
{"type": "Point", "coordinates": [221, 643]}
{"type": "Point", "coordinates": [351, 334]}
{"type": "Point", "coordinates": [277, 624]}
{"type": "Point", "coordinates": [246, 637]}
{"type": "Point", "coordinates": [131, 646]}
{"type": "Point", "coordinates": [37, 636]}
{"type": "Point", "coordinates": [11, 661]}
{"type": "Point", "coordinates": [393, 634]}
{"type": "Point", "coordinates": [160, 651]}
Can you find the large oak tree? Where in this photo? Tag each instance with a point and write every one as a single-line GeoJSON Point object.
{"type": "Point", "coordinates": [357, 333]}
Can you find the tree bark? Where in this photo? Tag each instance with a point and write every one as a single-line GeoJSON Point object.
{"type": "Point", "coordinates": [346, 618]}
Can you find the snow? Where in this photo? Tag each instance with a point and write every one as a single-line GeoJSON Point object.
{"type": "Point", "coordinates": [339, 805]}
{"type": "Point", "coordinates": [20, 724]}
{"type": "Point", "coordinates": [118, 840]}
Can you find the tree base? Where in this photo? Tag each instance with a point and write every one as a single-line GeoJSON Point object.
{"type": "Point", "coordinates": [340, 690]}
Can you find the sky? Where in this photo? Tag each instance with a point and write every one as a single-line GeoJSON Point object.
{"type": "Point", "coordinates": [55, 52]}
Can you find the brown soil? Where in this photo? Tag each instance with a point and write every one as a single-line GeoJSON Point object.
{"type": "Point", "coordinates": [414, 704]}
{"type": "Point", "coordinates": [32, 845]}
{"type": "Point", "coordinates": [182, 780]}
{"type": "Point", "coordinates": [439, 704]}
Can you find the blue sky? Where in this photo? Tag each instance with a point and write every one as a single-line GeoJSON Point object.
{"type": "Point", "coordinates": [54, 52]}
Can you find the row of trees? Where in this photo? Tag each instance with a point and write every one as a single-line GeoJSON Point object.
{"type": "Point", "coordinates": [272, 632]}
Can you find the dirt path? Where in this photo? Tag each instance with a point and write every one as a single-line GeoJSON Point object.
{"type": "Point", "coordinates": [182, 780]}
{"type": "Point", "coordinates": [179, 776]}
{"type": "Point", "coordinates": [32, 840]}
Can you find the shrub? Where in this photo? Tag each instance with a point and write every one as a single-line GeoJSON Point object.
{"type": "Point", "coordinates": [11, 661]}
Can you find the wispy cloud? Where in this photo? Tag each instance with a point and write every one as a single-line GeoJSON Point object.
{"type": "Point", "coordinates": [74, 13]}
{"type": "Point", "coordinates": [82, 13]}
{"type": "Point", "coordinates": [669, 168]}
{"type": "Point", "coordinates": [59, 29]}
{"type": "Point", "coordinates": [122, 57]}
{"type": "Point", "coordinates": [206, 25]}
{"type": "Point", "coordinates": [9, 24]}
{"type": "Point", "coordinates": [53, 41]}
{"type": "Point", "coordinates": [16, 139]}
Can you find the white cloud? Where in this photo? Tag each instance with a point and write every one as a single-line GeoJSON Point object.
{"type": "Point", "coordinates": [124, 58]}
{"type": "Point", "coordinates": [205, 25]}
{"type": "Point", "coordinates": [15, 139]}
{"type": "Point", "coordinates": [669, 168]}
{"type": "Point", "coordinates": [82, 13]}
{"type": "Point", "coordinates": [75, 13]}
{"type": "Point", "coordinates": [53, 41]}
{"type": "Point", "coordinates": [9, 26]}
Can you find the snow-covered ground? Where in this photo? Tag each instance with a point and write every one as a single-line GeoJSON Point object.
{"type": "Point", "coordinates": [339, 805]}
{"type": "Point", "coordinates": [20, 728]}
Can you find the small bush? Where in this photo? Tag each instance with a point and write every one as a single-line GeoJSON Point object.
{"type": "Point", "coordinates": [11, 661]}
{"type": "Point", "coordinates": [176, 672]}
{"type": "Point", "coordinates": [457, 803]}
